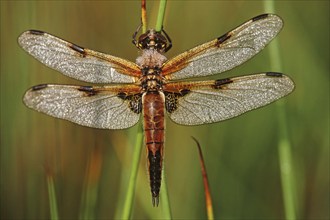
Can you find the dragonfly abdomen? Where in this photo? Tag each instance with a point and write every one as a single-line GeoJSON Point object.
{"type": "Point", "coordinates": [154, 131]}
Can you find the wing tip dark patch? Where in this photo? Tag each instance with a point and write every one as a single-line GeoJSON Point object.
{"type": "Point", "coordinates": [219, 83]}
{"type": "Point", "coordinates": [88, 90]}
{"type": "Point", "coordinates": [39, 87]}
{"type": "Point", "coordinates": [36, 32]}
{"type": "Point", "coordinates": [260, 17]}
{"type": "Point", "coordinates": [274, 74]}
{"type": "Point", "coordinates": [223, 38]}
{"type": "Point", "coordinates": [79, 49]}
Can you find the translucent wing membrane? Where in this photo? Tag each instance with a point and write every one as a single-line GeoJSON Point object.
{"type": "Point", "coordinates": [77, 62]}
{"type": "Point", "coordinates": [204, 102]}
{"type": "Point", "coordinates": [225, 52]}
{"type": "Point", "coordinates": [97, 107]}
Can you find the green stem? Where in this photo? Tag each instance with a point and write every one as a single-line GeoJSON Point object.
{"type": "Point", "coordinates": [164, 194]}
{"type": "Point", "coordinates": [161, 13]}
{"type": "Point", "coordinates": [165, 203]}
{"type": "Point", "coordinates": [284, 146]}
{"type": "Point", "coordinates": [128, 203]}
{"type": "Point", "coordinates": [144, 15]}
{"type": "Point", "coordinates": [52, 198]}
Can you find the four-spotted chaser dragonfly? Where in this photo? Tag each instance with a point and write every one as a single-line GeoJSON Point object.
{"type": "Point", "coordinates": [153, 85]}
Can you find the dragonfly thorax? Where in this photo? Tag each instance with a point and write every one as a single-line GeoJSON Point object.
{"type": "Point", "coordinates": [151, 79]}
{"type": "Point", "coordinates": [150, 59]}
{"type": "Point", "coordinates": [151, 62]}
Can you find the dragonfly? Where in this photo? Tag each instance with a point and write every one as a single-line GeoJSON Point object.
{"type": "Point", "coordinates": [154, 85]}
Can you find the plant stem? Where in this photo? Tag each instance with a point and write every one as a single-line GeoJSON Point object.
{"type": "Point", "coordinates": [128, 203]}
{"type": "Point", "coordinates": [164, 197]}
{"type": "Point", "coordinates": [284, 146]}
{"type": "Point", "coordinates": [208, 198]}
{"type": "Point", "coordinates": [144, 15]}
{"type": "Point", "coordinates": [52, 197]}
{"type": "Point", "coordinates": [164, 194]}
{"type": "Point", "coordinates": [161, 13]}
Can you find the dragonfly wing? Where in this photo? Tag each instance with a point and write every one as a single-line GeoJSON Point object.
{"type": "Point", "coordinates": [225, 52]}
{"type": "Point", "coordinates": [98, 107]}
{"type": "Point", "coordinates": [77, 62]}
{"type": "Point", "coordinates": [211, 101]}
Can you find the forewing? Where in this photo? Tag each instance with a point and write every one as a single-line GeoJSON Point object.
{"type": "Point", "coordinates": [225, 52]}
{"type": "Point", "coordinates": [98, 107]}
{"type": "Point", "coordinates": [201, 102]}
{"type": "Point", "coordinates": [77, 62]}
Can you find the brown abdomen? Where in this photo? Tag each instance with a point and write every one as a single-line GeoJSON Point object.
{"type": "Point", "coordinates": [154, 126]}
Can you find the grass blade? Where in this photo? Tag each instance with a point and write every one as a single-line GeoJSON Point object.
{"type": "Point", "coordinates": [208, 198]}
{"type": "Point", "coordinates": [51, 195]}
{"type": "Point", "coordinates": [128, 203]}
{"type": "Point", "coordinates": [284, 146]}
{"type": "Point", "coordinates": [144, 15]}
{"type": "Point", "coordinates": [161, 13]}
{"type": "Point", "coordinates": [165, 203]}
{"type": "Point", "coordinates": [89, 197]}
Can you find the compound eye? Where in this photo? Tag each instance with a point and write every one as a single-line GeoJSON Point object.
{"type": "Point", "coordinates": [161, 46]}
{"type": "Point", "coordinates": [144, 44]}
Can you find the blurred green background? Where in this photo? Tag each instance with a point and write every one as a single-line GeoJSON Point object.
{"type": "Point", "coordinates": [241, 154]}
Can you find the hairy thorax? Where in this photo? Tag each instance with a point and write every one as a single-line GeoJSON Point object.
{"type": "Point", "coordinates": [151, 62]}
{"type": "Point", "coordinates": [150, 59]}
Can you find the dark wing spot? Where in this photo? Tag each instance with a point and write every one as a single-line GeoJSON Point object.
{"type": "Point", "coordinates": [36, 32]}
{"type": "Point", "coordinates": [85, 88]}
{"type": "Point", "coordinates": [259, 17]}
{"type": "Point", "coordinates": [171, 99]}
{"type": "Point", "coordinates": [184, 92]}
{"type": "Point", "coordinates": [78, 49]}
{"type": "Point", "coordinates": [223, 38]}
{"type": "Point", "coordinates": [274, 74]}
{"type": "Point", "coordinates": [39, 87]}
{"type": "Point", "coordinates": [122, 95]}
{"type": "Point", "coordinates": [134, 101]}
{"type": "Point", "coordinates": [219, 84]}
{"type": "Point", "coordinates": [88, 90]}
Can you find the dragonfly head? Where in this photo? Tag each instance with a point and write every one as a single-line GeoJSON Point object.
{"type": "Point", "coordinates": [153, 40]}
